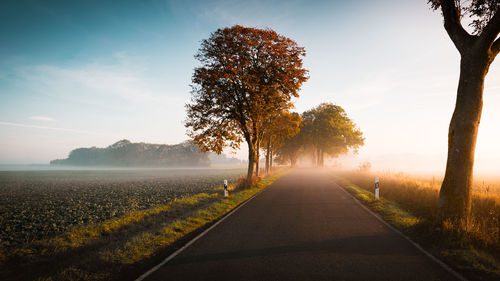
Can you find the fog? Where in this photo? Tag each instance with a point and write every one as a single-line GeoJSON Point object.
{"type": "Point", "coordinates": [48, 167]}
{"type": "Point", "coordinates": [414, 165]}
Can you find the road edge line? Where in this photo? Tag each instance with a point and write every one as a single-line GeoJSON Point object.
{"type": "Point", "coordinates": [174, 254]}
{"type": "Point", "coordinates": [415, 244]}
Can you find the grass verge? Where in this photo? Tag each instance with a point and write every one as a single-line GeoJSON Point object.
{"type": "Point", "coordinates": [457, 249]}
{"type": "Point", "coordinates": [84, 235]}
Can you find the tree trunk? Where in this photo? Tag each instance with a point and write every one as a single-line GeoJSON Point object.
{"type": "Point", "coordinates": [251, 162]}
{"type": "Point", "coordinates": [257, 160]}
{"type": "Point", "coordinates": [318, 157]}
{"type": "Point", "coordinates": [455, 195]}
{"type": "Point", "coordinates": [314, 161]}
{"type": "Point", "coordinates": [268, 152]}
{"type": "Point", "coordinates": [257, 164]}
{"type": "Point", "coordinates": [322, 158]}
{"type": "Point", "coordinates": [270, 160]}
{"type": "Point", "coordinates": [293, 159]}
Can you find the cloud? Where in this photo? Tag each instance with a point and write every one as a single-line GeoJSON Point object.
{"type": "Point", "coordinates": [42, 118]}
{"type": "Point", "coordinates": [48, 128]}
{"type": "Point", "coordinates": [111, 82]}
{"type": "Point", "coordinates": [91, 79]}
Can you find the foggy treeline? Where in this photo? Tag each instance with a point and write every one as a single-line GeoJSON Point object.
{"type": "Point", "coordinates": [127, 154]}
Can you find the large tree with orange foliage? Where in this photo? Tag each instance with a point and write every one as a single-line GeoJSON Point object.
{"type": "Point", "coordinates": [477, 52]}
{"type": "Point", "coordinates": [247, 77]}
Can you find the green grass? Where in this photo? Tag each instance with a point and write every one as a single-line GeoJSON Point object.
{"type": "Point", "coordinates": [84, 235]}
{"type": "Point", "coordinates": [389, 210]}
{"type": "Point", "coordinates": [410, 207]}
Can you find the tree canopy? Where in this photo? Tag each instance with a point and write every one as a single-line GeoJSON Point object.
{"type": "Point", "coordinates": [479, 11]}
{"type": "Point", "coordinates": [324, 130]}
{"type": "Point", "coordinates": [247, 77]}
{"type": "Point", "coordinates": [328, 130]}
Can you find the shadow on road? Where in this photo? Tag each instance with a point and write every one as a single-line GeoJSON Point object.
{"type": "Point", "coordinates": [358, 245]}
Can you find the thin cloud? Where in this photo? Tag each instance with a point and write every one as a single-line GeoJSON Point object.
{"type": "Point", "coordinates": [123, 79]}
{"type": "Point", "coordinates": [46, 128]}
{"type": "Point", "coordinates": [42, 118]}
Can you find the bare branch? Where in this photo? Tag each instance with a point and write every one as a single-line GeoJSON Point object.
{"type": "Point", "coordinates": [454, 28]}
{"type": "Point", "coordinates": [490, 31]}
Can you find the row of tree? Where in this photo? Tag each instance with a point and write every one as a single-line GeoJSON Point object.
{"type": "Point", "coordinates": [244, 85]}
{"type": "Point", "coordinates": [248, 77]}
{"type": "Point", "coordinates": [324, 130]}
{"type": "Point", "coordinates": [242, 92]}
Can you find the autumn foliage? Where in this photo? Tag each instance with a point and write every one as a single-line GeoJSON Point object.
{"type": "Point", "coordinates": [247, 78]}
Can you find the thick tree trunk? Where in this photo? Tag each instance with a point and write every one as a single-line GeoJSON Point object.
{"type": "Point", "coordinates": [455, 194]}
{"type": "Point", "coordinates": [322, 158]}
{"type": "Point", "coordinates": [251, 162]}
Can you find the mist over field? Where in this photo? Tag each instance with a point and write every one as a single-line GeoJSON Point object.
{"type": "Point", "coordinates": [414, 164]}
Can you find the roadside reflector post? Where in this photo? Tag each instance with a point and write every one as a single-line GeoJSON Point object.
{"type": "Point", "coordinates": [376, 189]}
{"type": "Point", "coordinates": [226, 193]}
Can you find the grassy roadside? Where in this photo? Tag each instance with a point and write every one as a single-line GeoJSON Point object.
{"type": "Point", "coordinates": [459, 250]}
{"type": "Point", "coordinates": [104, 251]}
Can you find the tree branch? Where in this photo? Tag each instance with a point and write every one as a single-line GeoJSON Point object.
{"type": "Point", "coordinates": [490, 31]}
{"type": "Point", "coordinates": [453, 27]}
{"type": "Point", "coordinates": [495, 48]}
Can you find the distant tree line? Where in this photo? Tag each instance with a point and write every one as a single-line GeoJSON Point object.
{"type": "Point", "coordinates": [127, 154]}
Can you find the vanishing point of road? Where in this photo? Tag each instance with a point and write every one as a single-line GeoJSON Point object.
{"type": "Point", "coordinates": [302, 227]}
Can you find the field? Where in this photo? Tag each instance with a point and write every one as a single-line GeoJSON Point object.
{"type": "Point", "coordinates": [410, 204]}
{"type": "Point", "coordinates": [61, 224]}
{"type": "Point", "coordinates": [40, 204]}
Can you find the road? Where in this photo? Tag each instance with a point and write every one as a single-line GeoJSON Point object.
{"type": "Point", "coordinates": [303, 227]}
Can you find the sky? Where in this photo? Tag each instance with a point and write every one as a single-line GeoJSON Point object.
{"type": "Point", "coordinates": [90, 73]}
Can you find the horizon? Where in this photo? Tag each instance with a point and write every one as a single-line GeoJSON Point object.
{"type": "Point", "coordinates": [90, 74]}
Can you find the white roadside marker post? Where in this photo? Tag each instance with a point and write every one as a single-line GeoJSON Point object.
{"type": "Point", "coordinates": [226, 193]}
{"type": "Point", "coordinates": [376, 189]}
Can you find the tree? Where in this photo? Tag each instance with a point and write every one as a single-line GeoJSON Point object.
{"type": "Point", "coordinates": [327, 129]}
{"type": "Point", "coordinates": [289, 150]}
{"type": "Point", "coordinates": [477, 52]}
{"type": "Point", "coordinates": [247, 76]}
{"type": "Point", "coordinates": [284, 127]}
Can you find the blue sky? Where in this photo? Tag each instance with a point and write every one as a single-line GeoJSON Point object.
{"type": "Point", "coordinates": [89, 73]}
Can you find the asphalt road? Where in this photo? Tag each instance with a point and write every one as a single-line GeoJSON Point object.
{"type": "Point", "coordinates": [303, 227]}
